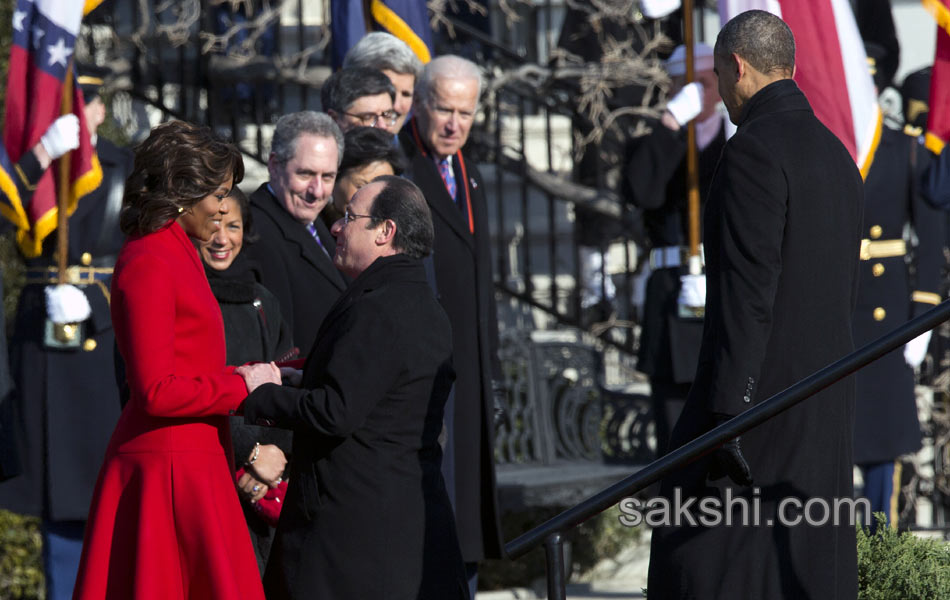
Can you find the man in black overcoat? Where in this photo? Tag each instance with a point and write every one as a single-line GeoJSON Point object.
{"type": "Point", "coordinates": [444, 106]}
{"type": "Point", "coordinates": [66, 403]}
{"type": "Point", "coordinates": [294, 248]}
{"type": "Point", "coordinates": [367, 514]}
{"type": "Point", "coordinates": [782, 233]}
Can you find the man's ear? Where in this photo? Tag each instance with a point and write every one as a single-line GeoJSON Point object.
{"type": "Point", "coordinates": [272, 166]}
{"type": "Point", "coordinates": [739, 65]}
{"type": "Point", "coordinates": [386, 233]}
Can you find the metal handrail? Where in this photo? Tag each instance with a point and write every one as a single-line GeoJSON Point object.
{"type": "Point", "coordinates": [549, 533]}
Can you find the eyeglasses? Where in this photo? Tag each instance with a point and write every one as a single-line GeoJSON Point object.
{"type": "Point", "coordinates": [349, 217]}
{"type": "Point", "coordinates": [369, 119]}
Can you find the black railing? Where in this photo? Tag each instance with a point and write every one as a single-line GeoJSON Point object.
{"type": "Point", "coordinates": [550, 532]}
{"type": "Point", "coordinates": [170, 61]}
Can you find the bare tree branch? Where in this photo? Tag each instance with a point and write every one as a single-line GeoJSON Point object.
{"type": "Point", "coordinates": [440, 8]}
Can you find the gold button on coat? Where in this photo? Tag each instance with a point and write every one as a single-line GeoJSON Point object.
{"type": "Point", "coordinates": [86, 258]}
{"type": "Point", "coordinates": [879, 314]}
{"type": "Point", "coordinates": [89, 345]}
{"type": "Point", "coordinates": [876, 232]}
{"type": "Point", "coordinates": [877, 270]}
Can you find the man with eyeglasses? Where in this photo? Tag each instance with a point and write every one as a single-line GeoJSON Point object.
{"type": "Point", "coordinates": [295, 249]}
{"type": "Point", "coordinates": [366, 513]}
{"type": "Point", "coordinates": [357, 96]}
{"type": "Point", "coordinates": [444, 108]}
{"type": "Point", "coordinates": [391, 55]}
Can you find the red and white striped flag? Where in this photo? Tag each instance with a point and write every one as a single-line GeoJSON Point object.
{"type": "Point", "coordinates": [831, 68]}
{"type": "Point", "coordinates": [44, 37]}
{"type": "Point", "coordinates": [938, 121]}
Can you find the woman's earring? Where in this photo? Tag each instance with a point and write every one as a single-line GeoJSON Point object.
{"type": "Point", "coordinates": [180, 210]}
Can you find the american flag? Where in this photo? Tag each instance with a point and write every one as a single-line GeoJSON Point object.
{"type": "Point", "coordinates": [44, 37]}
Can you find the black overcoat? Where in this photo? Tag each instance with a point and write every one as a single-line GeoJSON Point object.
{"type": "Point", "coordinates": [893, 290]}
{"type": "Point", "coordinates": [366, 513]}
{"type": "Point", "coordinates": [293, 267]}
{"type": "Point", "coordinates": [463, 278]}
{"type": "Point", "coordinates": [66, 403]}
{"type": "Point", "coordinates": [782, 225]}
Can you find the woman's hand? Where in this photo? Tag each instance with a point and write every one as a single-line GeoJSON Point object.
{"type": "Point", "coordinates": [253, 489]}
{"type": "Point", "coordinates": [269, 464]}
{"type": "Point", "coordinates": [258, 374]}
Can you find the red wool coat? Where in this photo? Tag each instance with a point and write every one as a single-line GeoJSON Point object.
{"type": "Point", "coordinates": [165, 520]}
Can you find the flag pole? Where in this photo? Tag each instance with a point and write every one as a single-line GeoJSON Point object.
{"type": "Point", "coordinates": [62, 219]}
{"type": "Point", "coordinates": [692, 158]}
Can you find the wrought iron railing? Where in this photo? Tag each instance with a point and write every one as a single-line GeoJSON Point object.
{"type": "Point", "coordinates": [551, 533]}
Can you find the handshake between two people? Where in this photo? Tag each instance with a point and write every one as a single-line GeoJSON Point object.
{"type": "Point", "coordinates": [257, 374]}
{"type": "Point", "coordinates": [261, 479]}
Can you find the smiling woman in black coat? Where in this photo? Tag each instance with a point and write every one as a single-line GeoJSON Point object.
{"type": "Point", "coordinates": [253, 331]}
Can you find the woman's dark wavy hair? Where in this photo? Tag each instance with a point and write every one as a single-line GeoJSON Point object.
{"type": "Point", "coordinates": [176, 167]}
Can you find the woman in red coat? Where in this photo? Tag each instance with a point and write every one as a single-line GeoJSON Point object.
{"type": "Point", "coordinates": [165, 520]}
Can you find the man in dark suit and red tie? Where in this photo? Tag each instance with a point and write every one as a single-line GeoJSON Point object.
{"type": "Point", "coordinates": [444, 108]}
{"type": "Point", "coordinates": [295, 249]}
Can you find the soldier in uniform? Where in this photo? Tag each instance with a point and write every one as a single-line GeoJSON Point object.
{"type": "Point", "coordinates": [66, 402]}
{"type": "Point", "coordinates": [62, 136]}
{"type": "Point", "coordinates": [897, 282]}
{"type": "Point", "coordinates": [655, 182]}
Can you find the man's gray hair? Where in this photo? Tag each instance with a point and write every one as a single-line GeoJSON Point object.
{"type": "Point", "coordinates": [762, 39]}
{"type": "Point", "coordinates": [447, 67]}
{"type": "Point", "coordinates": [289, 127]}
{"type": "Point", "coordinates": [381, 51]}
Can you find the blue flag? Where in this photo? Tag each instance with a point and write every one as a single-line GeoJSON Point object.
{"type": "Point", "coordinates": [408, 20]}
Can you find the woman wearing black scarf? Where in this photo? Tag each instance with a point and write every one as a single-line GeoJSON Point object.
{"type": "Point", "coordinates": [254, 331]}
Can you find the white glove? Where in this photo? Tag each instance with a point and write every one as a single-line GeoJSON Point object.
{"type": "Point", "coordinates": [687, 103]}
{"type": "Point", "coordinates": [61, 137]}
{"type": "Point", "coordinates": [692, 291]}
{"type": "Point", "coordinates": [916, 350]}
{"type": "Point", "coordinates": [657, 9]}
{"type": "Point", "coordinates": [66, 304]}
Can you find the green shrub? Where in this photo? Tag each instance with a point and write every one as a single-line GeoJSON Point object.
{"type": "Point", "coordinates": [901, 566]}
{"type": "Point", "coordinates": [21, 562]}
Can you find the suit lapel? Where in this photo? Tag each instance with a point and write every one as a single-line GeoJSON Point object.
{"type": "Point", "coordinates": [426, 175]}
{"type": "Point", "coordinates": [296, 234]}
{"type": "Point", "coordinates": [443, 204]}
{"type": "Point", "coordinates": [329, 242]}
